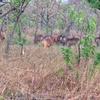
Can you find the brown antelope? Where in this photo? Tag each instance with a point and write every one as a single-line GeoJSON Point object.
{"type": "Point", "coordinates": [55, 36]}
{"type": "Point", "coordinates": [60, 38]}
{"type": "Point", "coordinates": [97, 41]}
{"type": "Point", "coordinates": [64, 40]}
{"type": "Point", "coordinates": [2, 36]}
{"type": "Point", "coordinates": [48, 41]}
{"type": "Point", "coordinates": [52, 39]}
{"type": "Point", "coordinates": [37, 38]}
{"type": "Point", "coordinates": [72, 41]}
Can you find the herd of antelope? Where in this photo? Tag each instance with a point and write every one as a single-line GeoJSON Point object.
{"type": "Point", "coordinates": [49, 40]}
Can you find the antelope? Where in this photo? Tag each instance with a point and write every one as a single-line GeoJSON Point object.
{"type": "Point", "coordinates": [2, 36]}
{"type": "Point", "coordinates": [72, 41]}
{"type": "Point", "coordinates": [48, 41]}
{"type": "Point", "coordinates": [60, 38]}
{"type": "Point", "coordinates": [55, 36]}
{"type": "Point", "coordinates": [37, 38]}
{"type": "Point", "coordinates": [97, 40]}
{"type": "Point", "coordinates": [64, 39]}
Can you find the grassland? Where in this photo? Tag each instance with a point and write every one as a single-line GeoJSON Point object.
{"type": "Point", "coordinates": [41, 74]}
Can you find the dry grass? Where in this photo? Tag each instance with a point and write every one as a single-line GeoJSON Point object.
{"type": "Point", "coordinates": [41, 74]}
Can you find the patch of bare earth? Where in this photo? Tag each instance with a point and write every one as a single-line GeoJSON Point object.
{"type": "Point", "coordinates": [41, 74]}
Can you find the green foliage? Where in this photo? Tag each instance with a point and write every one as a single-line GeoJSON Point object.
{"type": "Point", "coordinates": [1, 98]}
{"type": "Point", "coordinates": [21, 3]}
{"type": "Point", "coordinates": [59, 24]}
{"type": "Point", "coordinates": [97, 59]}
{"type": "Point", "coordinates": [22, 20]}
{"type": "Point", "coordinates": [19, 41]}
{"type": "Point", "coordinates": [94, 3]}
{"type": "Point", "coordinates": [69, 68]}
{"type": "Point", "coordinates": [77, 17]}
{"type": "Point", "coordinates": [11, 26]}
{"type": "Point", "coordinates": [17, 28]}
{"type": "Point", "coordinates": [0, 22]}
{"type": "Point", "coordinates": [87, 47]}
{"type": "Point", "coordinates": [69, 57]}
{"type": "Point", "coordinates": [16, 1]}
{"type": "Point", "coordinates": [73, 14]}
{"type": "Point", "coordinates": [32, 23]}
{"type": "Point", "coordinates": [67, 52]}
{"type": "Point", "coordinates": [91, 25]}
{"type": "Point", "coordinates": [80, 16]}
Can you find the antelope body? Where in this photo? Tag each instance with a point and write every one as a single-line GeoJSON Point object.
{"type": "Point", "coordinates": [48, 41]}
{"type": "Point", "coordinates": [55, 36]}
{"type": "Point", "coordinates": [60, 38]}
{"type": "Point", "coordinates": [37, 38]}
{"type": "Point", "coordinates": [64, 40]}
{"type": "Point", "coordinates": [72, 41]}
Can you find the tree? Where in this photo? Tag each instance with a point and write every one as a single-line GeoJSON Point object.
{"type": "Point", "coordinates": [94, 3]}
{"type": "Point", "coordinates": [16, 7]}
{"type": "Point", "coordinates": [45, 12]}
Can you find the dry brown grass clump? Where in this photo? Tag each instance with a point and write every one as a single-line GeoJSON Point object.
{"type": "Point", "coordinates": [41, 74]}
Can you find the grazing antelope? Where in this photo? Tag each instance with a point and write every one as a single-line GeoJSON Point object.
{"type": "Point", "coordinates": [37, 38]}
{"type": "Point", "coordinates": [72, 41]}
{"type": "Point", "coordinates": [97, 41]}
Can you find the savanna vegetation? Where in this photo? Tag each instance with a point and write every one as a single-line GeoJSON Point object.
{"type": "Point", "coordinates": [49, 50]}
